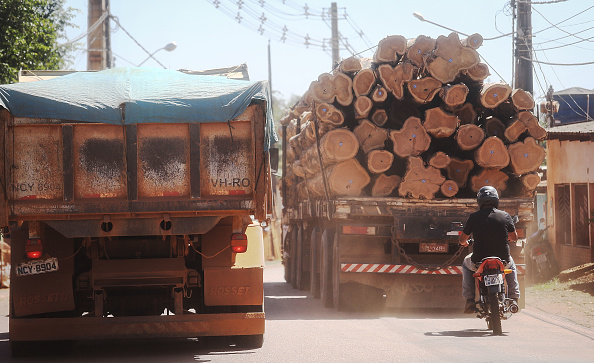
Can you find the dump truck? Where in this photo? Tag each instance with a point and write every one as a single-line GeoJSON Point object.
{"type": "Point", "coordinates": [131, 202]}
{"type": "Point", "coordinates": [382, 162]}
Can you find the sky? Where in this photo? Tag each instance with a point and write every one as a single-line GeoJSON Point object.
{"type": "Point", "coordinates": [210, 37]}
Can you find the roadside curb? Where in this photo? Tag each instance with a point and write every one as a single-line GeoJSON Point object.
{"type": "Point", "coordinates": [567, 324]}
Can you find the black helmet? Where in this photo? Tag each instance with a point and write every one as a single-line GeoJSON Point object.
{"type": "Point", "coordinates": [487, 196]}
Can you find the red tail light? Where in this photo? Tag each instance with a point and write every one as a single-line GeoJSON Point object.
{"type": "Point", "coordinates": [34, 248]}
{"type": "Point", "coordinates": [239, 242]}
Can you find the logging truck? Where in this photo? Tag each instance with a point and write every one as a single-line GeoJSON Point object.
{"type": "Point", "coordinates": [381, 165]}
{"type": "Point", "coordinates": [130, 204]}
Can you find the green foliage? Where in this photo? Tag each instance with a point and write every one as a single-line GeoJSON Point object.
{"type": "Point", "coordinates": [29, 33]}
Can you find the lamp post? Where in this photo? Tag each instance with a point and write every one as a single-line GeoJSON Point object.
{"type": "Point", "coordinates": [422, 18]}
{"type": "Point", "coordinates": [169, 47]}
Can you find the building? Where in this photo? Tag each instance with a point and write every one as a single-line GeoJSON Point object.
{"type": "Point", "coordinates": [570, 192]}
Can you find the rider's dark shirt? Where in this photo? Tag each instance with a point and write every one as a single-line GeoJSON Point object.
{"type": "Point", "coordinates": [489, 227]}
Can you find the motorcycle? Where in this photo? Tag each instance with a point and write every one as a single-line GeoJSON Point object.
{"type": "Point", "coordinates": [542, 259]}
{"type": "Point", "coordinates": [493, 305]}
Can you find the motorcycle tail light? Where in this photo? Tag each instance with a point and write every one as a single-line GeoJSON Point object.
{"type": "Point", "coordinates": [34, 248]}
{"type": "Point", "coordinates": [239, 242]}
{"type": "Point", "coordinates": [492, 264]}
{"type": "Point", "coordinates": [508, 271]}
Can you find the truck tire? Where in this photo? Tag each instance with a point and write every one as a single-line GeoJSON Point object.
{"type": "Point", "coordinates": [293, 256]}
{"type": "Point", "coordinates": [314, 269]}
{"type": "Point", "coordinates": [302, 278]}
{"type": "Point", "coordinates": [339, 294]}
{"type": "Point", "coordinates": [249, 341]}
{"type": "Point", "coordinates": [326, 268]}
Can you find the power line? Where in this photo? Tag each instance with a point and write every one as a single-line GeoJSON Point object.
{"type": "Point", "coordinates": [559, 64]}
{"type": "Point", "coordinates": [116, 20]}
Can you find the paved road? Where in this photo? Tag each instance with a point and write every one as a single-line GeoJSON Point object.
{"type": "Point", "coordinates": [299, 329]}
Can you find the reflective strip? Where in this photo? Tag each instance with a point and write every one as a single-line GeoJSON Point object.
{"type": "Point", "coordinates": [408, 269]}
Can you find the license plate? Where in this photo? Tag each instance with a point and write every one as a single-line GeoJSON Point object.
{"type": "Point", "coordinates": [541, 258]}
{"type": "Point", "coordinates": [491, 280]}
{"type": "Point", "coordinates": [433, 247]}
{"type": "Point", "coordinates": [37, 267]}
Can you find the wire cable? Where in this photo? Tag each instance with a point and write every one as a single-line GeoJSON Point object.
{"type": "Point", "coordinates": [116, 20]}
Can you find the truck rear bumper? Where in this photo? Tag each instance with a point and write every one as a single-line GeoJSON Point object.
{"type": "Point", "coordinates": [172, 326]}
{"type": "Point", "coordinates": [406, 286]}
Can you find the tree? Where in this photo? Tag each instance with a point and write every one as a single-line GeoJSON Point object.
{"type": "Point", "coordinates": [29, 33]}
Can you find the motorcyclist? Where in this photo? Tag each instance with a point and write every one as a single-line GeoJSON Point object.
{"type": "Point", "coordinates": [491, 229]}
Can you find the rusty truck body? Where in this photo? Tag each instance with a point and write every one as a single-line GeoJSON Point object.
{"type": "Point", "coordinates": [374, 252]}
{"type": "Point", "coordinates": [128, 202]}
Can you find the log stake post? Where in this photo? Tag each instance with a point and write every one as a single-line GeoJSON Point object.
{"type": "Point", "coordinates": [322, 168]}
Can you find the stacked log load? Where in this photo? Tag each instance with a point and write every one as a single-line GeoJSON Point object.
{"type": "Point", "coordinates": [419, 122]}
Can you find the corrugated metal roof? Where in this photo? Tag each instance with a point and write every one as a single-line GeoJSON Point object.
{"type": "Point", "coordinates": [575, 91]}
{"type": "Point", "coordinates": [581, 131]}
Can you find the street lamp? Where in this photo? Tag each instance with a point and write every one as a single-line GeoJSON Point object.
{"type": "Point", "coordinates": [169, 47]}
{"type": "Point", "coordinates": [422, 18]}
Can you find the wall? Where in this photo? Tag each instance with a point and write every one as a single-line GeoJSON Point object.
{"type": "Point", "coordinates": [569, 162]}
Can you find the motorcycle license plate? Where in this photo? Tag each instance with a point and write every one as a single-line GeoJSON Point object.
{"type": "Point", "coordinates": [491, 280]}
{"type": "Point", "coordinates": [37, 267]}
{"type": "Point", "coordinates": [541, 258]}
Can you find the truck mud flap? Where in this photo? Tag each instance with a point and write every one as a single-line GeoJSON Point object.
{"type": "Point", "coordinates": [169, 326]}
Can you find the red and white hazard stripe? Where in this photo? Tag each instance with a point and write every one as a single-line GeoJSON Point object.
{"type": "Point", "coordinates": [406, 269]}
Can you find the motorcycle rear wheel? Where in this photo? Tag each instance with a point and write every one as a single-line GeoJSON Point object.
{"type": "Point", "coordinates": [495, 318]}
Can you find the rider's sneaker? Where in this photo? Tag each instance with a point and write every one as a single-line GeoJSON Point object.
{"type": "Point", "coordinates": [470, 307]}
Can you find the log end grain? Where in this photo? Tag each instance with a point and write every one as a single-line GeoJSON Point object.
{"type": "Point", "coordinates": [493, 94]}
{"type": "Point", "coordinates": [363, 82]}
{"type": "Point", "coordinates": [384, 185]}
{"type": "Point", "coordinates": [439, 160]}
{"type": "Point", "coordinates": [390, 49]}
{"type": "Point", "coordinates": [411, 140]}
{"type": "Point", "coordinates": [370, 136]}
{"type": "Point", "coordinates": [492, 154]}
{"type": "Point", "coordinates": [526, 156]}
{"type": "Point", "coordinates": [469, 136]}
{"type": "Point", "coordinates": [440, 124]}
{"type": "Point", "coordinates": [449, 188]}
{"type": "Point", "coordinates": [491, 177]}
{"type": "Point", "coordinates": [378, 161]}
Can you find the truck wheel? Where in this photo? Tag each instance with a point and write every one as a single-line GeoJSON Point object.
{"type": "Point", "coordinates": [293, 256]}
{"type": "Point", "coordinates": [302, 279]}
{"type": "Point", "coordinates": [249, 341]}
{"type": "Point", "coordinates": [326, 268]}
{"type": "Point", "coordinates": [314, 270]}
{"type": "Point", "coordinates": [339, 294]}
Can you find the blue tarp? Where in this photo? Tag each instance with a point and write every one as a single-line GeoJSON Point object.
{"type": "Point", "coordinates": [126, 96]}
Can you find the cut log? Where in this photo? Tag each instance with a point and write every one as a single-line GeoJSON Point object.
{"type": "Point", "coordinates": [379, 94]}
{"type": "Point", "coordinates": [458, 171]}
{"type": "Point", "coordinates": [384, 185]}
{"type": "Point", "coordinates": [337, 145]}
{"type": "Point", "coordinates": [390, 49]}
{"type": "Point", "coordinates": [370, 136]}
{"type": "Point", "coordinates": [439, 160]}
{"type": "Point", "coordinates": [474, 41]}
{"type": "Point", "coordinates": [469, 137]}
{"type": "Point", "coordinates": [295, 145]}
{"type": "Point", "coordinates": [524, 121]}
{"type": "Point", "coordinates": [449, 188]}
{"type": "Point", "coordinates": [450, 58]}
{"type": "Point", "coordinates": [363, 82]}
{"type": "Point", "coordinates": [478, 73]}
{"type": "Point", "coordinates": [493, 94]}
{"type": "Point", "coordinates": [466, 114]}
{"type": "Point", "coordinates": [329, 88]}
{"type": "Point", "coordinates": [530, 181]}
{"type": "Point", "coordinates": [347, 178]}
{"type": "Point", "coordinates": [522, 100]}
{"type": "Point", "coordinates": [494, 127]}
{"type": "Point", "coordinates": [418, 48]}
{"type": "Point", "coordinates": [393, 78]}
{"type": "Point", "coordinates": [298, 169]}
{"type": "Point", "coordinates": [379, 117]}
{"type": "Point", "coordinates": [329, 114]}
{"type": "Point", "coordinates": [423, 90]}
{"type": "Point", "coordinates": [526, 156]}
{"type": "Point", "coordinates": [454, 95]}
{"type": "Point", "coordinates": [492, 154]}
{"type": "Point", "coordinates": [439, 123]}
{"type": "Point", "coordinates": [412, 139]}
{"type": "Point", "coordinates": [379, 161]}
{"type": "Point", "coordinates": [362, 107]}
{"type": "Point", "coordinates": [491, 177]}
{"type": "Point", "coordinates": [420, 181]}
{"type": "Point", "coordinates": [350, 65]}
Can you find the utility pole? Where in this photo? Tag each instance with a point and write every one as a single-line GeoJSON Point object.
{"type": "Point", "coordinates": [523, 52]}
{"type": "Point", "coordinates": [108, 55]}
{"type": "Point", "coordinates": [334, 41]}
{"type": "Point", "coordinates": [96, 59]}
